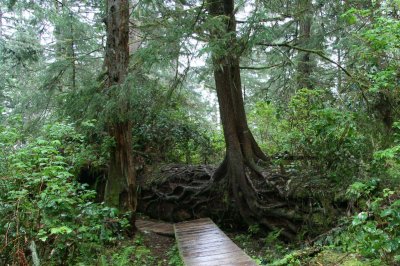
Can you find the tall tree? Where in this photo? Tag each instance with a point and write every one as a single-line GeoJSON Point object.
{"type": "Point", "coordinates": [242, 151]}
{"type": "Point", "coordinates": [121, 184]}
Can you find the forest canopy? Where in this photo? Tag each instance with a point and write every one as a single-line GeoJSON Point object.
{"type": "Point", "coordinates": [278, 119]}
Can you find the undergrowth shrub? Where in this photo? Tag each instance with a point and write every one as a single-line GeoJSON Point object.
{"type": "Point", "coordinates": [46, 215]}
{"type": "Point", "coordinates": [128, 253]}
{"type": "Point", "coordinates": [387, 161]}
{"type": "Point", "coordinates": [329, 139]}
{"type": "Point", "coordinates": [328, 136]}
{"type": "Point", "coordinates": [375, 231]}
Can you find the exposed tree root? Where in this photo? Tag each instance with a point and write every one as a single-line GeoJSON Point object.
{"type": "Point", "coordinates": [181, 192]}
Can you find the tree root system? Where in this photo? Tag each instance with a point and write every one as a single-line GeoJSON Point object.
{"type": "Point", "coordinates": [182, 192]}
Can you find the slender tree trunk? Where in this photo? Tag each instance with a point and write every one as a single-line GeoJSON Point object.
{"type": "Point", "coordinates": [304, 67]}
{"type": "Point", "coordinates": [339, 71]}
{"type": "Point", "coordinates": [1, 23]}
{"type": "Point", "coordinates": [121, 184]}
{"type": "Point", "coordinates": [71, 53]}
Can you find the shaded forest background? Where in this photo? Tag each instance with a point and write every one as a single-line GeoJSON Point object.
{"type": "Point", "coordinates": [280, 118]}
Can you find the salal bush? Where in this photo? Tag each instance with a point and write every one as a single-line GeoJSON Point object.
{"type": "Point", "coordinates": [374, 231]}
{"type": "Point", "coordinates": [46, 215]}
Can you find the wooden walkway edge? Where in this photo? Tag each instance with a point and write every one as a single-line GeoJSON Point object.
{"type": "Point", "coordinates": [202, 243]}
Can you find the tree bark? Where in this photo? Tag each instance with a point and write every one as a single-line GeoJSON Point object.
{"type": "Point", "coordinates": [120, 190]}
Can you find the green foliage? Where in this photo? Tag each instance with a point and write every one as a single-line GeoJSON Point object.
{"type": "Point", "coordinates": [272, 237]}
{"type": "Point", "coordinates": [128, 253]}
{"type": "Point", "coordinates": [174, 257]}
{"type": "Point", "coordinates": [387, 161]}
{"type": "Point", "coordinates": [254, 229]}
{"type": "Point", "coordinates": [243, 240]}
{"type": "Point", "coordinates": [359, 190]}
{"type": "Point", "coordinates": [266, 127]}
{"type": "Point", "coordinates": [317, 129]}
{"type": "Point", "coordinates": [328, 137]}
{"type": "Point", "coordinates": [51, 65]}
{"type": "Point", "coordinates": [290, 259]}
{"type": "Point", "coordinates": [374, 232]}
{"type": "Point", "coordinates": [375, 53]}
{"type": "Point", "coordinates": [166, 130]}
{"type": "Point", "coordinates": [40, 200]}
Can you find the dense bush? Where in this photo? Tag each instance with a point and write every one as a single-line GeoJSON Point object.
{"type": "Point", "coordinates": [387, 161]}
{"type": "Point", "coordinates": [165, 130]}
{"type": "Point", "coordinates": [45, 212]}
{"type": "Point", "coordinates": [174, 136]}
{"type": "Point", "coordinates": [375, 232]}
{"type": "Point", "coordinates": [327, 138]}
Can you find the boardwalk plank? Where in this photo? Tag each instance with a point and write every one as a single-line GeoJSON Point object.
{"type": "Point", "coordinates": [202, 243]}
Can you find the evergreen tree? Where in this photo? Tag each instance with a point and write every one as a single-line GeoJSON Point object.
{"type": "Point", "coordinates": [120, 190]}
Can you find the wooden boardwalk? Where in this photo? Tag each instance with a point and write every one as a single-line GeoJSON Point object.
{"type": "Point", "coordinates": [202, 243]}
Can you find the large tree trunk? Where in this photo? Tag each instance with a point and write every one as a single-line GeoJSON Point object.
{"type": "Point", "coordinates": [242, 151]}
{"type": "Point", "coordinates": [120, 190]}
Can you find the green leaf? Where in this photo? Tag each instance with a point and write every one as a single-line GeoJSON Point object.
{"type": "Point", "coordinates": [360, 218]}
{"type": "Point", "coordinates": [42, 235]}
{"type": "Point", "coordinates": [60, 230]}
{"type": "Point", "coordinates": [386, 212]}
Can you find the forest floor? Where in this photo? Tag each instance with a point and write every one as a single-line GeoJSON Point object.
{"type": "Point", "coordinates": [162, 247]}
{"type": "Point", "coordinates": [265, 251]}
{"type": "Point", "coordinates": [151, 249]}
{"type": "Point", "coordinates": [145, 249]}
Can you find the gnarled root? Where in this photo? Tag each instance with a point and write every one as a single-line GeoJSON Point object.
{"type": "Point", "coordinates": [182, 192]}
